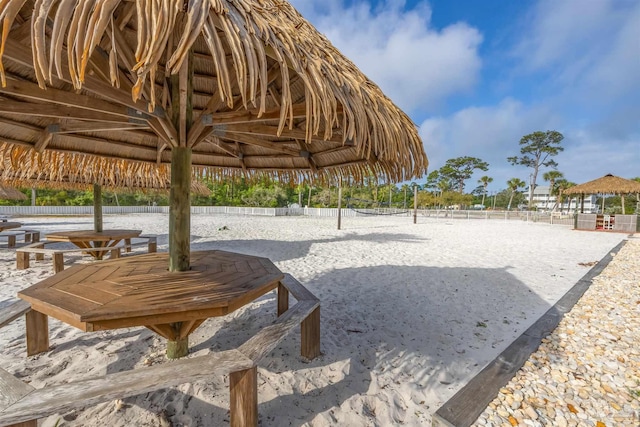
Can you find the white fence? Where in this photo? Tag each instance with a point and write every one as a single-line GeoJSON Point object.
{"type": "Point", "coordinates": [436, 214]}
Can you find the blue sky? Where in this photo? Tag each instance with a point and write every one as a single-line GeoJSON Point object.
{"type": "Point", "coordinates": [477, 75]}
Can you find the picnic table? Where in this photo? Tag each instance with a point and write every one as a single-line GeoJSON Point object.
{"type": "Point", "coordinates": [140, 291]}
{"type": "Point", "coordinates": [87, 239]}
{"type": "Point", "coordinates": [9, 225]}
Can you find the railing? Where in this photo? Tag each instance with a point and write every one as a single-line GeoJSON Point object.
{"type": "Point", "coordinates": [437, 214]}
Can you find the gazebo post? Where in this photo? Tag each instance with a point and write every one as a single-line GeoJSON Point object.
{"type": "Point", "coordinates": [179, 197]}
{"type": "Point", "coordinates": [97, 208]}
{"type": "Point", "coordinates": [622, 199]}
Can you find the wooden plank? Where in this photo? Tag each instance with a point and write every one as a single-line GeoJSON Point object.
{"type": "Point", "coordinates": [298, 291]}
{"type": "Point", "coordinates": [243, 388]}
{"type": "Point", "coordinates": [79, 394]}
{"type": "Point", "coordinates": [37, 325]}
{"type": "Point", "coordinates": [269, 337]}
{"type": "Point", "coordinates": [11, 389]}
{"type": "Point", "coordinates": [470, 401]}
{"type": "Point", "coordinates": [156, 319]}
{"type": "Point", "coordinates": [16, 309]}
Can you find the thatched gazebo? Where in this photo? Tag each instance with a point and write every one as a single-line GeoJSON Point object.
{"type": "Point", "coordinates": [608, 184]}
{"type": "Point", "coordinates": [227, 87]}
{"type": "Point", "coordinates": [10, 193]}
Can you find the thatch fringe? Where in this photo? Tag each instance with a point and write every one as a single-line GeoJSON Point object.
{"type": "Point", "coordinates": [23, 165]}
{"type": "Point", "coordinates": [336, 91]}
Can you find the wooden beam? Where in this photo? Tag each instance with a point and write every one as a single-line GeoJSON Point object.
{"type": "Point", "coordinates": [31, 91]}
{"type": "Point", "coordinates": [45, 137]}
{"type": "Point", "coordinates": [252, 140]}
{"type": "Point", "coordinates": [247, 116]}
{"type": "Point", "coordinates": [62, 112]}
{"type": "Point", "coordinates": [159, 122]}
{"type": "Point", "coordinates": [77, 127]}
{"type": "Point", "coordinates": [272, 131]}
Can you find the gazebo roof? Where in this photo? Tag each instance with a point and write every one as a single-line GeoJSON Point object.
{"type": "Point", "coordinates": [608, 184]}
{"type": "Point", "coordinates": [10, 193]}
{"type": "Point", "coordinates": [271, 95]}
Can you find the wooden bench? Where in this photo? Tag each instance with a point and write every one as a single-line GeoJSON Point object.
{"type": "Point", "coordinates": [28, 235]}
{"type": "Point", "coordinates": [56, 254]}
{"type": "Point", "coordinates": [150, 241]}
{"type": "Point", "coordinates": [21, 405]}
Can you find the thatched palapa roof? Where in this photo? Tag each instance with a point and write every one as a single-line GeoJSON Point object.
{"type": "Point", "coordinates": [608, 184]}
{"type": "Point", "coordinates": [10, 193]}
{"type": "Point", "coordinates": [270, 94]}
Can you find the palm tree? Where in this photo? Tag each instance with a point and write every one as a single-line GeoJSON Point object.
{"type": "Point", "coordinates": [513, 184]}
{"type": "Point", "coordinates": [564, 185]}
{"type": "Point", "coordinates": [443, 185]}
{"type": "Point", "coordinates": [485, 180]}
{"type": "Point", "coordinates": [552, 177]}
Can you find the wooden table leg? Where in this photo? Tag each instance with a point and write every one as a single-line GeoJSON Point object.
{"type": "Point", "coordinates": [283, 299]}
{"type": "Point", "coordinates": [310, 331]}
{"type": "Point", "coordinates": [243, 386]}
{"type": "Point", "coordinates": [37, 332]}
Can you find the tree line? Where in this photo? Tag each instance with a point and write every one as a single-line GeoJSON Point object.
{"type": "Point", "coordinates": [444, 187]}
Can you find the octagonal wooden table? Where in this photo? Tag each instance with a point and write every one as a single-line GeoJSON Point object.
{"type": "Point", "coordinates": [87, 239]}
{"type": "Point", "coordinates": [140, 291]}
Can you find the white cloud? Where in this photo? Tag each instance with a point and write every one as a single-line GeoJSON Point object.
{"type": "Point", "coordinates": [588, 50]}
{"type": "Point", "coordinates": [490, 133]}
{"type": "Point", "coordinates": [415, 65]}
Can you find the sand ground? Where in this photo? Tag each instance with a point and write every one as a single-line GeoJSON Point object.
{"type": "Point", "coordinates": [410, 313]}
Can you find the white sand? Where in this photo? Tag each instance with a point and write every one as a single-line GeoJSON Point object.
{"type": "Point", "coordinates": [410, 313]}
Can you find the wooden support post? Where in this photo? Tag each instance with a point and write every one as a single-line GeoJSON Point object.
{"type": "Point", "coordinates": [178, 348]}
{"type": "Point", "coordinates": [127, 245]}
{"type": "Point", "coordinates": [97, 208]}
{"type": "Point", "coordinates": [22, 260]}
{"type": "Point", "coordinates": [114, 253]}
{"type": "Point", "coordinates": [310, 335]}
{"type": "Point", "coordinates": [339, 206]}
{"type": "Point", "coordinates": [58, 262]}
{"type": "Point", "coordinates": [283, 299]}
{"type": "Point", "coordinates": [180, 210]}
{"type": "Point", "coordinates": [415, 204]}
{"type": "Point", "coordinates": [243, 386]}
{"type": "Point", "coordinates": [181, 86]}
{"type": "Point", "coordinates": [11, 241]}
{"type": "Point", "coordinates": [37, 332]}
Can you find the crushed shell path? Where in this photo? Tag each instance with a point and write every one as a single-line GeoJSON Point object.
{"type": "Point", "coordinates": [587, 372]}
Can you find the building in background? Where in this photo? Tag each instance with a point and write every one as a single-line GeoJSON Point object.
{"type": "Point", "coordinates": [543, 201]}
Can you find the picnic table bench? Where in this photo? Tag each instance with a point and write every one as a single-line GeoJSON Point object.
{"type": "Point", "coordinates": [13, 234]}
{"type": "Point", "coordinates": [45, 247]}
{"type": "Point", "coordinates": [22, 404]}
